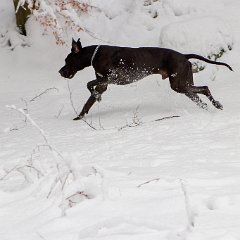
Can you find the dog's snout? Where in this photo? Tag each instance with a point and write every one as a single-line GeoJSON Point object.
{"type": "Point", "coordinates": [61, 72]}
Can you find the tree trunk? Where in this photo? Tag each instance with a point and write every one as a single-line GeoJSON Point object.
{"type": "Point", "coordinates": [22, 16]}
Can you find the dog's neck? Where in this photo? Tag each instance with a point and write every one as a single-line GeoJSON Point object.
{"type": "Point", "coordinates": [94, 54]}
{"type": "Point", "coordinates": [87, 55]}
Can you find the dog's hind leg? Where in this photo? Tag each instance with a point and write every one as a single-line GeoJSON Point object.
{"type": "Point", "coordinates": [183, 83]}
{"type": "Point", "coordinates": [195, 98]}
{"type": "Point", "coordinates": [205, 91]}
{"type": "Point", "coordinates": [193, 91]}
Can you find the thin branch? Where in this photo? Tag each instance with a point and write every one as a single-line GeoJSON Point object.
{"type": "Point", "coordinates": [45, 91]}
{"type": "Point", "coordinates": [152, 180]}
{"type": "Point", "coordinates": [57, 156]}
{"type": "Point", "coordinates": [53, 185]}
{"type": "Point", "coordinates": [40, 236]}
{"type": "Point", "coordinates": [60, 111]}
{"type": "Point", "coordinates": [26, 105]}
{"type": "Point", "coordinates": [135, 121]}
{"type": "Point", "coordinates": [8, 172]}
{"type": "Point", "coordinates": [89, 124]}
{"type": "Point", "coordinates": [70, 96]}
{"type": "Point", "coordinates": [31, 121]}
{"type": "Point", "coordinates": [164, 118]}
{"type": "Point", "coordinates": [190, 215]}
{"type": "Point", "coordinates": [39, 173]}
{"type": "Point", "coordinates": [79, 193]}
{"type": "Point", "coordinates": [74, 109]}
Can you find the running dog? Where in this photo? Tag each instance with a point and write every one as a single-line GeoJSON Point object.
{"type": "Point", "coordinates": [124, 65]}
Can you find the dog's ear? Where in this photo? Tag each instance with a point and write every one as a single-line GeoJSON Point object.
{"type": "Point", "coordinates": [76, 46]}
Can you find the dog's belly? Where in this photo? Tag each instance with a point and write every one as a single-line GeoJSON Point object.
{"type": "Point", "coordinates": [122, 81]}
{"type": "Point", "coordinates": [126, 76]}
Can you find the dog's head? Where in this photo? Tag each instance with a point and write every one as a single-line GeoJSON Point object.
{"type": "Point", "coordinates": [72, 64]}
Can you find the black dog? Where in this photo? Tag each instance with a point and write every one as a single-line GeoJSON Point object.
{"type": "Point", "coordinates": [124, 65]}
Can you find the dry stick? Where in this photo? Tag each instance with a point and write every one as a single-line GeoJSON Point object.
{"type": "Point", "coordinates": [190, 216]}
{"type": "Point", "coordinates": [82, 193]}
{"type": "Point", "coordinates": [54, 151]}
{"type": "Point", "coordinates": [135, 121]}
{"type": "Point", "coordinates": [26, 105]}
{"type": "Point", "coordinates": [74, 109]}
{"type": "Point", "coordinates": [17, 168]}
{"type": "Point", "coordinates": [60, 111]}
{"type": "Point", "coordinates": [32, 122]}
{"type": "Point", "coordinates": [53, 186]}
{"type": "Point", "coordinates": [45, 91]}
{"type": "Point", "coordinates": [164, 118]}
{"type": "Point", "coordinates": [40, 236]}
{"type": "Point", "coordinates": [70, 96]}
{"type": "Point", "coordinates": [25, 109]}
{"type": "Point", "coordinates": [24, 174]}
{"type": "Point", "coordinates": [93, 35]}
{"type": "Point", "coordinates": [153, 180]}
{"type": "Point", "coordinates": [38, 128]}
{"type": "Point", "coordinates": [71, 202]}
{"type": "Point", "coordinates": [8, 172]}
{"type": "Point", "coordinates": [39, 173]}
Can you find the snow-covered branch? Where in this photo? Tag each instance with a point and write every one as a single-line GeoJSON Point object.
{"type": "Point", "coordinates": [57, 15]}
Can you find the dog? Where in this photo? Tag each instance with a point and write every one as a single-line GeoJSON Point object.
{"type": "Point", "coordinates": [125, 65]}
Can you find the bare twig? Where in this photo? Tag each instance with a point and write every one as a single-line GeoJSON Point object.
{"type": "Point", "coordinates": [70, 199]}
{"type": "Point", "coordinates": [13, 129]}
{"type": "Point", "coordinates": [43, 238]}
{"type": "Point", "coordinates": [89, 124]}
{"type": "Point", "coordinates": [60, 111]}
{"type": "Point", "coordinates": [135, 121]}
{"type": "Point", "coordinates": [93, 35]}
{"type": "Point", "coordinates": [79, 193]}
{"type": "Point", "coordinates": [61, 174]}
{"type": "Point", "coordinates": [147, 182]}
{"type": "Point", "coordinates": [26, 105]}
{"type": "Point", "coordinates": [45, 91]}
{"type": "Point", "coordinates": [70, 96]}
{"type": "Point", "coordinates": [164, 118]}
{"type": "Point", "coordinates": [190, 215]}
{"type": "Point", "coordinates": [74, 109]}
{"type": "Point", "coordinates": [38, 128]}
{"type": "Point", "coordinates": [39, 173]}
{"type": "Point", "coordinates": [8, 172]}
{"type": "Point", "coordinates": [53, 185]}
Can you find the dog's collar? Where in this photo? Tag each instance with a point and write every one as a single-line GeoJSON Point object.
{"type": "Point", "coordinates": [94, 54]}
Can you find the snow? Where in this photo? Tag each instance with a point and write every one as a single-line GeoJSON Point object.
{"type": "Point", "coordinates": [206, 43]}
{"type": "Point", "coordinates": [132, 177]}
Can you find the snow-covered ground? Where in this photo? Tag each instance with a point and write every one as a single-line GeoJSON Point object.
{"type": "Point", "coordinates": [131, 177]}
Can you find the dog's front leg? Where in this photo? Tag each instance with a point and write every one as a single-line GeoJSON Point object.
{"type": "Point", "coordinates": [99, 89]}
{"type": "Point", "coordinates": [91, 85]}
{"type": "Point", "coordinates": [94, 92]}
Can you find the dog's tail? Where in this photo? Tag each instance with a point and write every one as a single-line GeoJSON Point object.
{"type": "Point", "coordinates": [188, 56]}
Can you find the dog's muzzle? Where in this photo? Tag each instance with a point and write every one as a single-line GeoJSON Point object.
{"type": "Point", "coordinates": [61, 72]}
{"type": "Point", "coordinates": [66, 74]}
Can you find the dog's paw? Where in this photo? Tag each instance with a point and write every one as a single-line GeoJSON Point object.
{"type": "Point", "coordinates": [78, 118]}
{"type": "Point", "coordinates": [203, 105]}
{"type": "Point", "coordinates": [218, 105]}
